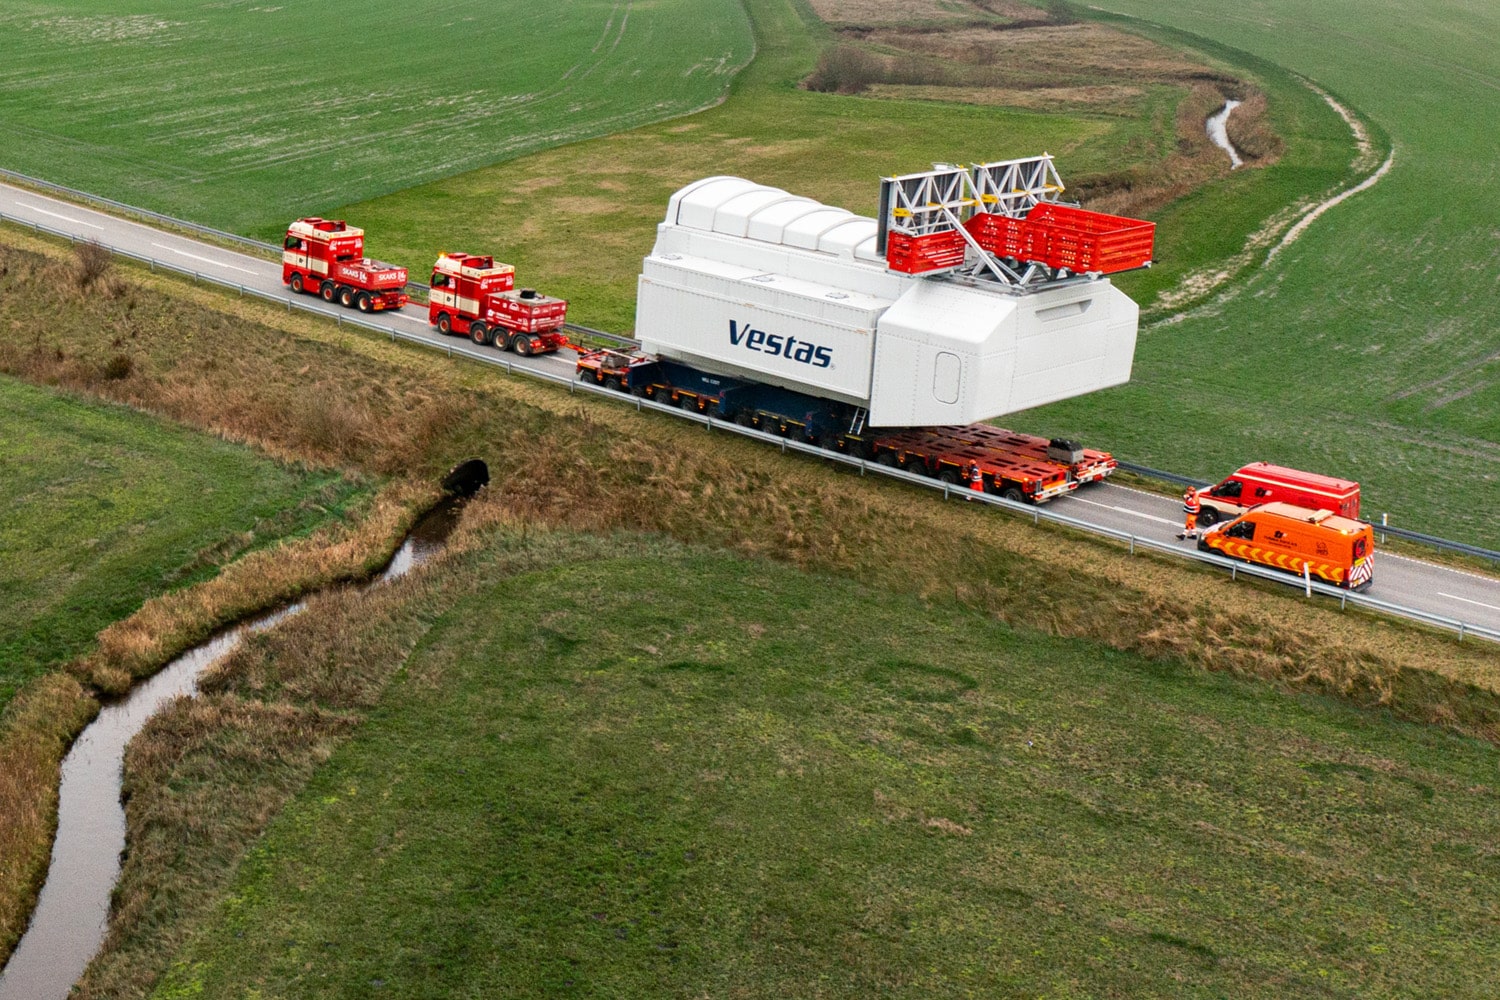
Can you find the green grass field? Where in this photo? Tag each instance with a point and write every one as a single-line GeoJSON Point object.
{"type": "Point", "coordinates": [106, 507]}
{"type": "Point", "coordinates": [618, 768]}
{"type": "Point", "coordinates": [242, 114]}
{"type": "Point", "coordinates": [1368, 348]}
{"type": "Point", "coordinates": [577, 220]}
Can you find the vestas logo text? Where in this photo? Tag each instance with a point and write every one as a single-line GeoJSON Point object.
{"type": "Point", "coordinates": [778, 346]}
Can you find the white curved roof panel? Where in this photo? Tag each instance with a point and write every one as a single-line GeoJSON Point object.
{"type": "Point", "coordinates": [769, 224]}
{"type": "Point", "coordinates": [733, 217]}
{"type": "Point", "coordinates": [807, 230]}
{"type": "Point", "coordinates": [696, 205]}
{"type": "Point", "coordinates": [843, 238]}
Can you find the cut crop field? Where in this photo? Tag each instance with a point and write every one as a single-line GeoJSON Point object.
{"type": "Point", "coordinates": [677, 774]}
{"type": "Point", "coordinates": [105, 507]}
{"type": "Point", "coordinates": [242, 114]}
{"type": "Point", "coordinates": [1369, 347]}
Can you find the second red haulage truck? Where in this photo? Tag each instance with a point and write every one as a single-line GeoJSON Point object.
{"type": "Point", "coordinates": [475, 296]}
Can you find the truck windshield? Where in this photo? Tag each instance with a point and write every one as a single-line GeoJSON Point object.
{"type": "Point", "coordinates": [1228, 488]}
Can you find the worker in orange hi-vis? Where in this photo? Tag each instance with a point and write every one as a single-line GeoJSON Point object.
{"type": "Point", "coordinates": [1190, 513]}
{"type": "Point", "coordinates": [976, 478]}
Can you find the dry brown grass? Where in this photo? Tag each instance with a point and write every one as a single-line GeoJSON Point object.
{"type": "Point", "coordinates": [167, 625]}
{"type": "Point", "coordinates": [35, 731]}
{"type": "Point", "coordinates": [1050, 64]}
{"type": "Point", "coordinates": [1250, 130]}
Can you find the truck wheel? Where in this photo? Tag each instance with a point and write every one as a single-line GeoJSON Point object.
{"type": "Point", "coordinates": [346, 296]}
{"type": "Point", "coordinates": [480, 334]}
{"type": "Point", "coordinates": [363, 303]}
{"type": "Point", "coordinates": [329, 291]}
{"type": "Point", "coordinates": [521, 344]}
{"type": "Point", "coordinates": [1207, 516]}
{"type": "Point", "coordinates": [1012, 494]}
{"type": "Point", "coordinates": [613, 383]}
{"type": "Point", "coordinates": [444, 324]}
{"type": "Point", "coordinates": [296, 283]}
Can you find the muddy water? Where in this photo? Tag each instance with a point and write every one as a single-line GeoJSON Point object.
{"type": "Point", "coordinates": [72, 912]}
{"type": "Point", "coordinates": [1218, 131]}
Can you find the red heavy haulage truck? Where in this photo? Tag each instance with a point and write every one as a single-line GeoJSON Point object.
{"type": "Point", "coordinates": [327, 257]}
{"type": "Point", "coordinates": [475, 296]}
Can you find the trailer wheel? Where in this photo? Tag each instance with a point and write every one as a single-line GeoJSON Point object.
{"type": "Point", "coordinates": [949, 476]}
{"type": "Point", "coordinates": [828, 441]}
{"type": "Point", "coordinates": [480, 334]}
{"type": "Point", "coordinates": [1012, 494]}
{"type": "Point", "coordinates": [745, 418]}
{"type": "Point", "coordinates": [296, 283]}
{"type": "Point", "coordinates": [613, 383]}
{"type": "Point", "coordinates": [346, 296]}
{"type": "Point", "coordinates": [1207, 516]}
{"type": "Point", "coordinates": [328, 291]}
{"type": "Point", "coordinates": [363, 303]}
{"type": "Point", "coordinates": [521, 344]}
{"type": "Point", "coordinates": [886, 458]}
{"type": "Point", "coordinates": [688, 403]}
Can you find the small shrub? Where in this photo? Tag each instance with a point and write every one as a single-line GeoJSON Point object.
{"type": "Point", "coordinates": [92, 263]}
{"type": "Point", "coordinates": [118, 367]}
{"type": "Point", "coordinates": [846, 69]}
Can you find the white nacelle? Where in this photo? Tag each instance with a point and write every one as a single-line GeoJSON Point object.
{"type": "Point", "coordinates": [750, 281]}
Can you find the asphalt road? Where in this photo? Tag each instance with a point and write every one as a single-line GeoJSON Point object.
{"type": "Point", "coordinates": [1438, 590]}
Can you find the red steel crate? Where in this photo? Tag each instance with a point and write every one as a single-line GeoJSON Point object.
{"type": "Point", "coordinates": [1083, 241]}
{"type": "Point", "coordinates": [999, 234]}
{"type": "Point", "coordinates": [920, 254]}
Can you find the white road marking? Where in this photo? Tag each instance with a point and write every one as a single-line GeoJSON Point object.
{"type": "Point", "coordinates": [1455, 597]}
{"type": "Point", "coordinates": [65, 218]}
{"type": "Point", "coordinates": [206, 260]}
{"type": "Point", "coordinates": [1437, 566]}
{"type": "Point", "coordinates": [1123, 510]}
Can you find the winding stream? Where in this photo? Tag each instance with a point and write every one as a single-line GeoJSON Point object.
{"type": "Point", "coordinates": [1218, 131]}
{"type": "Point", "coordinates": [72, 913]}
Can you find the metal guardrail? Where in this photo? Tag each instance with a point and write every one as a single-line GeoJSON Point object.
{"type": "Point", "coordinates": [424, 290]}
{"type": "Point", "coordinates": [1170, 477]}
{"type": "Point", "coordinates": [121, 206]}
{"type": "Point", "coordinates": [1037, 514]}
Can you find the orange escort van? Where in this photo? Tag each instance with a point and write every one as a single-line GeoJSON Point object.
{"type": "Point", "coordinates": [1262, 482]}
{"type": "Point", "coordinates": [1336, 550]}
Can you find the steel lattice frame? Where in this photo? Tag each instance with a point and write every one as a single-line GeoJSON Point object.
{"type": "Point", "coordinates": [942, 199]}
